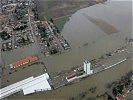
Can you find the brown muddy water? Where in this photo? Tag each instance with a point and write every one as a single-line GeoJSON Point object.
{"type": "Point", "coordinates": [100, 80]}
{"type": "Point", "coordinates": [91, 33]}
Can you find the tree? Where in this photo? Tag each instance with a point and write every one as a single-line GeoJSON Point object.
{"type": "Point", "coordinates": [114, 91]}
{"type": "Point", "coordinates": [51, 20]}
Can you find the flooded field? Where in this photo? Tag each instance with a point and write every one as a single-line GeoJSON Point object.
{"type": "Point", "coordinates": [60, 8]}
{"type": "Point", "coordinates": [90, 37]}
{"type": "Point", "coordinates": [103, 25]}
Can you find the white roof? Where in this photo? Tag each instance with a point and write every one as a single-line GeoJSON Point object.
{"type": "Point", "coordinates": [39, 84]}
{"type": "Point", "coordinates": [42, 86]}
{"type": "Point", "coordinates": [28, 86]}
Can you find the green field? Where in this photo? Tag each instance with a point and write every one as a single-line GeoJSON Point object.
{"type": "Point", "coordinates": [59, 22]}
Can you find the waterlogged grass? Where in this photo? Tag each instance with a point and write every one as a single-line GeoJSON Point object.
{"type": "Point", "coordinates": [45, 9]}
{"type": "Point", "coordinates": [60, 22]}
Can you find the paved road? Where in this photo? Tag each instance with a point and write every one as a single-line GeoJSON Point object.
{"type": "Point", "coordinates": [34, 37]}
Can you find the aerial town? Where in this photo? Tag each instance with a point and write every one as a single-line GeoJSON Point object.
{"type": "Point", "coordinates": [39, 61]}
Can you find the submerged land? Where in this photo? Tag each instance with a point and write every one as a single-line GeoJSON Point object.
{"type": "Point", "coordinates": [61, 10]}
{"type": "Point", "coordinates": [89, 34]}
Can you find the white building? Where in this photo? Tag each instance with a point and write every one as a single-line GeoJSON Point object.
{"type": "Point", "coordinates": [87, 67]}
{"type": "Point", "coordinates": [28, 86]}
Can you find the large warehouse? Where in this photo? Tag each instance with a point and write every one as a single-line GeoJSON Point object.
{"type": "Point", "coordinates": [28, 86]}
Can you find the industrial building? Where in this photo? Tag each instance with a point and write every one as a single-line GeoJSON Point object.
{"type": "Point", "coordinates": [87, 70]}
{"type": "Point", "coordinates": [28, 86]}
{"type": "Point", "coordinates": [87, 67]}
{"type": "Point", "coordinates": [23, 61]}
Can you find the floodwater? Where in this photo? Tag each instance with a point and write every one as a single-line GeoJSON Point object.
{"type": "Point", "coordinates": [100, 80]}
{"type": "Point", "coordinates": [94, 31]}
{"type": "Point", "coordinates": [91, 32]}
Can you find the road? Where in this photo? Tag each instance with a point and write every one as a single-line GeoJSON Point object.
{"type": "Point", "coordinates": [30, 25]}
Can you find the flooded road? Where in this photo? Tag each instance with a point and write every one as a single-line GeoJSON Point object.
{"type": "Point", "coordinates": [91, 33]}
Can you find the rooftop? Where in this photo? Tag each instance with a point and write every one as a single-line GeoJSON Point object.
{"type": "Point", "coordinates": [28, 86]}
